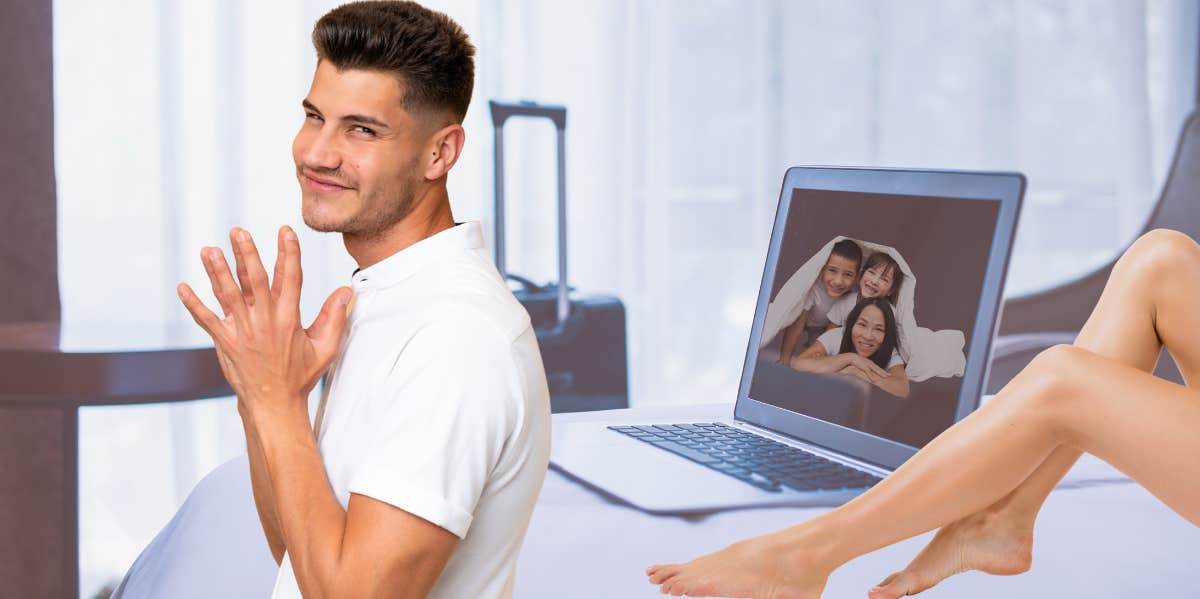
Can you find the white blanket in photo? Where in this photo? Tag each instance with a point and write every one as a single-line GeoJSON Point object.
{"type": "Point", "coordinates": [926, 353]}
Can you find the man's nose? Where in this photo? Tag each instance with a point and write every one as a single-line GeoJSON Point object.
{"type": "Point", "coordinates": [323, 153]}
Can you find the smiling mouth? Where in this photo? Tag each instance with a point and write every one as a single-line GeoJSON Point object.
{"type": "Point", "coordinates": [323, 185]}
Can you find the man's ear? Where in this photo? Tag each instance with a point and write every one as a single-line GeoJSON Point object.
{"type": "Point", "coordinates": [445, 146]}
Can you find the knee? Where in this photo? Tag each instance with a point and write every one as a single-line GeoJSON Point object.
{"type": "Point", "coordinates": [1162, 251]}
{"type": "Point", "coordinates": [1168, 240]}
{"type": "Point", "coordinates": [1052, 364]}
{"type": "Point", "coordinates": [1052, 373]}
{"type": "Point", "coordinates": [1050, 388]}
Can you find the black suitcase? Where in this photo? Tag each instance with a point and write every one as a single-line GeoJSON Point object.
{"type": "Point", "coordinates": [582, 337]}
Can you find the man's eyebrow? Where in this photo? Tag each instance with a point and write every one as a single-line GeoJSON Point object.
{"type": "Point", "coordinates": [353, 118]}
{"type": "Point", "coordinates": [362, 118]}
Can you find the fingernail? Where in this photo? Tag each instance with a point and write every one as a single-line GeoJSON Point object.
{"type": "Point", "coordinates": [242, 235]}
{"type": "Point", "coordinates": [290, 234]}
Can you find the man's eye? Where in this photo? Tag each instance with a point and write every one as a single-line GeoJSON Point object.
{"type": "Point", "coordinates": [365, 130]}
{"type": "Point", "coordinates": [312, 116]}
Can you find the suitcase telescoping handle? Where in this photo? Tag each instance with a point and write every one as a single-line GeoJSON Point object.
{"type": "Point", "coordinates": [501, 111]}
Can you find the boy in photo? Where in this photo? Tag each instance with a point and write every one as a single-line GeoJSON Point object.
{"type": "Point", "coordinates": [837, 279]}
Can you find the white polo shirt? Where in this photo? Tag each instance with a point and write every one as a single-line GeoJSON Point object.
{"type": "Point", "coordinates": [437, 404]}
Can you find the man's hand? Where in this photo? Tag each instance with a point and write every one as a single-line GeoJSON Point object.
{"type": "Point", "coordinates": [267, 357]}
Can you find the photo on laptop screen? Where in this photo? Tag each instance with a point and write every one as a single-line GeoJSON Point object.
{"type": "Point", "coordinates": [872, 307]}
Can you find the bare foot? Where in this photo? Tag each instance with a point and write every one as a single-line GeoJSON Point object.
{"type": "Point", "coordinates": [996, 543]}
{"type": "Point", "coordinates": [762, 568]}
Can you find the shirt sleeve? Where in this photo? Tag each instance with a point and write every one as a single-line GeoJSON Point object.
{"type": "Point", "coordinates": [809, 299]}
{"type": "Point", "coordinates": [895, 361]}
{"type": "Point", "coordinates": [443, 433]}
{"type": "Point", "coordinates": [842, 308]}
{"type": "Point", "coordinates": [832, 340]}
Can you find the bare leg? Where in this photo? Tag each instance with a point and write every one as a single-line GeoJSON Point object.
{"type": "Point", "coordinates": [1009, 439]}
{"type": "Point", "coordinates": [1150, 282]}
{"type": "Point", "coordinates": [1067, 396]}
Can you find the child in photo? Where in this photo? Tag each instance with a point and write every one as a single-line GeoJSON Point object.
{"type": "Point", "coordinates": [836, 280]}
{"type": "Point", "coordinates": [881, 277]}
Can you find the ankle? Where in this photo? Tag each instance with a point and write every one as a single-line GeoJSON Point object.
{"type": "Point", "coordinates": [1014, 511]}
{"type": "Point", "coordinates": [815, 544]}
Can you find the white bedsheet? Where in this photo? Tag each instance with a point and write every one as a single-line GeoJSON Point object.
{"type": "Point", "coordinates": [1105, 538]}
{"type": "Point", "coordinates": [213, 547]}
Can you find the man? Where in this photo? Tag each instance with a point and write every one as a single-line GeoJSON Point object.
{"type": "Point", "coordinates": [432, 436]}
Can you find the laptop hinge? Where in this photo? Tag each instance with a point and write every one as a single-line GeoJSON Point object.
{"type": "Point", "coordinates": [816, 449]}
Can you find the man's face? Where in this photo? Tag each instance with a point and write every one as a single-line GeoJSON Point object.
{"type": "Point", "coordinates": [356, 153]}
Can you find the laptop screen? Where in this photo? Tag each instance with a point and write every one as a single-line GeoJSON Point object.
{"type": "Point", "coordinates": [872, 307]}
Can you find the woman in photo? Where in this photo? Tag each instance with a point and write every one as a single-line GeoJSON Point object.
{"type": "Point", "coordinates": [983, 480]}
{"type": "Point", "coordinates": [865, 349]}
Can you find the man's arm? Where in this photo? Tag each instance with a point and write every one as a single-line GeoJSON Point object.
{"type": "Point", "coordinates": [371, 549]}
{"type": "Point", "coordinates": [264, 498]}
{"type": "Point", "coordinates": [272, 363]}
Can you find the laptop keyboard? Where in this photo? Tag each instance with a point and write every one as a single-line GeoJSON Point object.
{"type": "Point", "coordinates": [754, 459]}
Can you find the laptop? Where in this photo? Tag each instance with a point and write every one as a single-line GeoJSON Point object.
{"type": "Point", "coordinates": [823, 424]}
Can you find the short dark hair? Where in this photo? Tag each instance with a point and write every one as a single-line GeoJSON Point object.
{"type": "Point", "coordinates": [426, 50]}
{"type": "Point", "coordinates": [849, 250]}
{"type": "Point", "coordinates": [883, 353]}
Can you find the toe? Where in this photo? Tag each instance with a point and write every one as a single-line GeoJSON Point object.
{"type": "Point", "coordinates": [676, 587]}
{"type": "Point", "coordinates": [893, 587]}
{"type": "Point", "coordinates": [663, 574]}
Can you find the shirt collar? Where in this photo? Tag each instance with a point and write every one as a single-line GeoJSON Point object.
{"type": "Point", "coordinates": [406, 262]}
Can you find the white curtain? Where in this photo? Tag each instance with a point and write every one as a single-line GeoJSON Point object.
{"type": "Point", "coordinates": [174, 122]}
